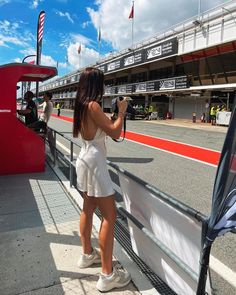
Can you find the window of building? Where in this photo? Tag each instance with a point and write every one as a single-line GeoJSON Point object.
{"type": "Point", "coordinates": [161, 73]}
{"type": "Point", "coordinates": [139, 77]}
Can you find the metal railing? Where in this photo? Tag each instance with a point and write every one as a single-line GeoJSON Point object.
{"type": "Point", "coordinates": [196, 215]}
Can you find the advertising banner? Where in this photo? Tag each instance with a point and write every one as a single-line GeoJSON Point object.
{"type": "Point", "coordinates": [180, 233]}
{"type": "Point", "coordinates": [173, 83]}
{"type": "Point", "coordinates": [115, 65]}
{"type": "Point", "coordinates": [166, 48]}
{"type": "Point", "coordinates": [149, 54]}
{"type": "Point", "coordinates": [133, 59]}
{"type": "Point", "coordinates": [141, 87]}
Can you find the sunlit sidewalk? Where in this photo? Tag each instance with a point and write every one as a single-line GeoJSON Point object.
{"type": "Point", "coordinates": [39, 239]}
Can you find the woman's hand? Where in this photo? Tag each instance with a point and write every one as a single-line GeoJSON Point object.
{"type": "Point", "coordinates": [122, 105]}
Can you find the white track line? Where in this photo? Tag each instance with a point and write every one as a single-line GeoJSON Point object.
{"type": "Point", "coordinates": [172, 153]}
{"type": "Point", "coordinates": [224, 271]}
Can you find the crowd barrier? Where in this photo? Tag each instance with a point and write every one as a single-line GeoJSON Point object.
{"type": "Point", "coordinates": [165, 233]}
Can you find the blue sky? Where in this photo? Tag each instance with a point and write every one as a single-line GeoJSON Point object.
{"type": "Point", "coordinates": [69, 23]}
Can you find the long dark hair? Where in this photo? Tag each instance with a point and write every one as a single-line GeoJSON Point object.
{"type": "Point", "coordinates": [90, 88]}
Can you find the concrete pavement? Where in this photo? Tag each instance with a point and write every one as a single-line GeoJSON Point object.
{"type": "Point", "coordinates": [189, 124]}
{"type": "Point", "coordinates": [39, 240]}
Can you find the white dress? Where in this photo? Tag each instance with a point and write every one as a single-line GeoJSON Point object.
{"type": "Point", "coordinates": [91, 167]}
{"type": "Point", "coordinates": [47, 111]}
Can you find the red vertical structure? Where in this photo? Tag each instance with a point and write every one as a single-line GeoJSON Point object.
{"type": "Point", "coordinates": [21, 149]}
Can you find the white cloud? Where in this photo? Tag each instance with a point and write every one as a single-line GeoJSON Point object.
{"type": "Point", "coordinates": [35, 3]}
{"type": "Point", "coordinates": [2, 2]}
{"type": "Point", "coordinates": [86, 24]}
{"type": "Point", "coordinates": [45, 59]}
{"type": "Point", "coordinates": [87, 56]}
{"type": "Point", "coordinates": [64, 14]}
{"type": "Point", "coordinates": [7, 41]}
{"type": "Point", "coordinates": [75, 38]}
{"type": "Point", "coordinates": [150, 17]}
{"type": "Point", "coordinates": [10, 35]}
{"type": "Point", "coordinates": [81, 39]}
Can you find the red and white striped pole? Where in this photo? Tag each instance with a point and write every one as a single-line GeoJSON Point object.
{"type": "Point", "coordinates": [41, 19]}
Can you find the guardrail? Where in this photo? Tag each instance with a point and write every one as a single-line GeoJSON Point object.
{"type": "Point", "coordinates": [186, 210]}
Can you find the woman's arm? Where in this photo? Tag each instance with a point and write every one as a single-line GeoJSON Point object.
{"type": "Point", "coordinates": [111, 128]}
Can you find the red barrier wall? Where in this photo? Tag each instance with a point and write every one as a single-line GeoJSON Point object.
{"type": "Point", "coordinates": [21, 149]}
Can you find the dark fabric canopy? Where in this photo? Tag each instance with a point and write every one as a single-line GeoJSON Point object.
{"type": "Point", "coordinates": [223, 213]}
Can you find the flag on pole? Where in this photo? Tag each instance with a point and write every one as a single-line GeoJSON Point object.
{"type": "Point", "coordinates": [131, 15]}
{"type": "Point", "coordinates": [41, 19]}
{"type": "Point", "coordinates": [223, 211]}
{"type": "Point", "coordinates": [31, 62]}
{"type": "Point", "coordinates": [79, 49]}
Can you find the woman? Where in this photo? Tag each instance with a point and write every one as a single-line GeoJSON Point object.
{"type": "Point", "coordinates": [93, 178]}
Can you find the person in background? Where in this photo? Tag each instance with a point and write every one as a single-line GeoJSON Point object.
{"type": "Point", "coordinates": [150, 110]}
{"type": "Point", "coordinates": [30, 112]}
{"type": "Point", "coordinates": [93, 179]}
{"type": "Point", "coordinates": [203, 118]}
{"type": "Point", "coordinates": [58, 109]}
{"type": "Point", "coordinates": [47, 109]}
{"type": "Point", "coordinates": [218, 109]}
{"type": "Point", "coordinates": [213, 115]}
{"type": "Point", "coordinates": [207, 111]}
{"type": "Point", "coordinates": [223, 108]}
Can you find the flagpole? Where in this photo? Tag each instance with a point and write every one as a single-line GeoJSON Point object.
{"type": "Point", "coordinates": [133, 26]}
{"type": "Point", "coordinates": [99, 34]}
{"type": "Point", "coordinates": [99, 42]}
{"type": "Point", "coordinates": [199, 8]}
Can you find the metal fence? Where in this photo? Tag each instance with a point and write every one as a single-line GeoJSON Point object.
{"type": "Point", "coordinates": [59, 155]}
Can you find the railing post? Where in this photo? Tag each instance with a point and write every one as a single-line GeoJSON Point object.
{"type": "Point", "coordinates": [55, 147]}
{"type": "Point", "coordinates": [71, 165]}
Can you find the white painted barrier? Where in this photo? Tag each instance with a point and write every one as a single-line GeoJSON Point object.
{"type": "Point", "coordinates": [223, 118]}
{"type": "Point", "coordinates": [178, 232]}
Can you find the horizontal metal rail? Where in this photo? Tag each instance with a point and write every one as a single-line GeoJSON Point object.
{"type": "Point", "coordinates": [168, 199]}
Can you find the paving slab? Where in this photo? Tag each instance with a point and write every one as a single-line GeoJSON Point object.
{"type": "Point", "coordinates": [39, 239]}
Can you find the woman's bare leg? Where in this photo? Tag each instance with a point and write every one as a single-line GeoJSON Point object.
{"type": "Point", "coordinates": [86, 223]}
{"type": "Point", "coordinates": [106, 235]}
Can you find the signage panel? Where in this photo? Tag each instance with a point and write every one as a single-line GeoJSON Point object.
{"type": "Point", "coordinates": [167, 84]}
{"type": "Point", "coordinates": [152, 86]}
{"type": "Point", "coordinates": [163, 49]}
{"type": "Point", "coordinates": [110, 90]}
{"type": "Point", "coordinates": [121, 89]}
{"type": "Point", "coordinates": [129, 88]}
{"type": "Point", "coordinates": [141, 87]}
{"type": "Point", "coordinates": [181, 82]}
{"type": "Point", "coordinates": [102, 68]}
{"type": "Point", "coordinates": [114, 65]}
{"type": "Point", "coordinates": [133, 59]}
{"type": "Point", "coordinates": [149, 54]}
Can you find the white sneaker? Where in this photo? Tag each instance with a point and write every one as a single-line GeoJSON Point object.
{"type": "Point", "coordinates": [86, 260]}
{"type": "Point", "coordinates": [119, 278]}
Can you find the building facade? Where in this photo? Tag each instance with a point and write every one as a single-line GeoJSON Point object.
{"type": "Point", "coordinates": [185, 70]}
